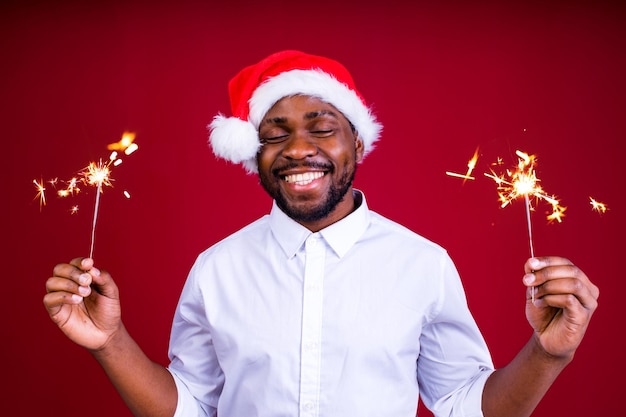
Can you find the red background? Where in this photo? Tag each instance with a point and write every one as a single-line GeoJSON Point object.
{"type": "Point", "coordinates": [443, 79]}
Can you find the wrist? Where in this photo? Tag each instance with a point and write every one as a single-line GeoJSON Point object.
{"type": "Point", "coordinates": [540, 352]}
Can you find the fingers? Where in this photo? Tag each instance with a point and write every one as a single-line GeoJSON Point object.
{"type": "Point", "coordinates": [564, 294]}
{"type": "Point", "coordinates": [61, 284]}
{"type": "Point", "coordinates": [79, 270]}
{"type": "Point", "coordinates": [86, 265]}
{"type": "Point", "coordinates": [559, 283]}
{"type": "Point", "coordinates": [535, 264]}
{"type": "Point", "coordinates": [71, 282]}
{"type": "Point", "coordinates": [83, 263]}
{"type": "Point", "coordinates": [53, 300]}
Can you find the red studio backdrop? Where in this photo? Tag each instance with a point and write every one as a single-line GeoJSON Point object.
{"type": "Point", "coordinates": [445, 78]}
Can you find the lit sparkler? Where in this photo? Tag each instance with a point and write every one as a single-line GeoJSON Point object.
{"type": "Point", "coordinates": [523, 182]}
{"type": "Point", "coordinates": [95, 174]}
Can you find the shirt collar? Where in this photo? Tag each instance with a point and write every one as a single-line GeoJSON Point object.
{"type": "Point", "coordinates": [340, 236]}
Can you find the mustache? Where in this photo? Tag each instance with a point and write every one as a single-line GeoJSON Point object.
{"type": "Point", "coordinates": [306, 164]}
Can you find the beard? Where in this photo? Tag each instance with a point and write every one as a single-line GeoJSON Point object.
{"type": "Point", "coordinates": [307, 212]}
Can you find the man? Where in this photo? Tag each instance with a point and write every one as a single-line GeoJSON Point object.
{"type": "Point", "coordinates": [323, 307]}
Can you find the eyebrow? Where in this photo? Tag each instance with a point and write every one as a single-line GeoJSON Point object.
{"type": "Point", "coordinates": [307, 116]}
{"type": "Point", "coordinates": [274, 120]}
{"type": "Point", "coordinates": [314, 114]}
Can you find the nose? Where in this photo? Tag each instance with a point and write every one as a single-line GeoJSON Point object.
{"type": "Point", "coordinates": [299, 146]}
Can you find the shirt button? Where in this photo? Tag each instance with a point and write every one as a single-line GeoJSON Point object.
{"type": "Point", "coordinates": [312, 345]}
{"type": "Point", "coordinates": [309, 406]}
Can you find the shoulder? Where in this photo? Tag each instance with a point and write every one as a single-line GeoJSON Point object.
{"type": "Point", "coordinates": [390, 231]}
{"type": "Point", "coordinates": [239, 241]}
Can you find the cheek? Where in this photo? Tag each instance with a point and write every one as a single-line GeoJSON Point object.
{"type": "Point", "coordinates": [345, 156]}
{"type": "Point", "coordinates": [264, 159]}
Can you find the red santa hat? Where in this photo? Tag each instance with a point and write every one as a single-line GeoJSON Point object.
{"type": "Point", "coordinates": [256, 88]}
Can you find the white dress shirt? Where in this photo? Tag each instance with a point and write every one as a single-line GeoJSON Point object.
{"type": "Point", "coordinates": [355, 320]}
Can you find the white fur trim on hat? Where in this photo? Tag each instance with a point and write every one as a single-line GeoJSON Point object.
{"type": "Point", "coordinates": [235, 140]}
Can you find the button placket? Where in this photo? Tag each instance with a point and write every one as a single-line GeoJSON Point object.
{"type": "Point", "coordinates": [310, 362]}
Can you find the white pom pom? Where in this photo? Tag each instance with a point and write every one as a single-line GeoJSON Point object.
{"type": "Point", "coordinates": [234, 140]}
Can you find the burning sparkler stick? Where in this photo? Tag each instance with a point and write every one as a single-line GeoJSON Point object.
{"type": "Point", "coordinates": [523, 182]}
{"type": "Point", "coordinates": [95, 174]}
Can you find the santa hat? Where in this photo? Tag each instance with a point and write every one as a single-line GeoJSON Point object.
{"type": "Point", "coordinates": [256, 88]}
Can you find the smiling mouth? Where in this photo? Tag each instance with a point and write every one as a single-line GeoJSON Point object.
{"type": "Point", "coordinates": [303, 178]}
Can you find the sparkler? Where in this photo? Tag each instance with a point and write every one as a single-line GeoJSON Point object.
{"type": "Point", "coordinates": [523, 182]}
{"type": "Point", "coordinates": [95, 174]}
{"type": "Point", "coordinates": [519, 182]}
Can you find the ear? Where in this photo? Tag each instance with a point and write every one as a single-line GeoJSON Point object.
{"type": "Point", "coordinates": [359, 147]}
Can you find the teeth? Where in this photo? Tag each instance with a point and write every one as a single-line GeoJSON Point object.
{"type": "Point", "coordinates": [305, 178]}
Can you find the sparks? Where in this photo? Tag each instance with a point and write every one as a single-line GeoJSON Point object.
{"type": "Point", "coordinates": [70, 189]}
{"type": "Point", "coordinates": [41, 193]}
{"type": "Point", "coordinates": [471, 164]}
{"type": "Point", "coordinates": [125, 144]}
{"type": "Point", "coordinates": [523, 182]}
{"type": "Point", "coordinates": [97, 174]}
{"type": "Point", "coordinates": [558, 212]}
{"type": "Point", "coordinates": [597, 206]}
{"type": "Point", "coordinates": [457, 175]}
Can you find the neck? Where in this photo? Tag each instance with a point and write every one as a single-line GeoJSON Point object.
{"type": "Point", "coordinates": [351, 201]}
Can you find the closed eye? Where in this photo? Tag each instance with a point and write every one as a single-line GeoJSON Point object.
{"type": "Point", "coordinates": [274, 139]}
{"type": "Point", "coordinates": [322, 133]}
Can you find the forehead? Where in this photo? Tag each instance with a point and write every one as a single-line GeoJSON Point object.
{"type": "Point", "coordinates": [301, 106]}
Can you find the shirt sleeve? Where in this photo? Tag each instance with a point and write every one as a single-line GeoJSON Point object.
{"type": "Point", "coordinates": [193, 361]}
{"type": "Point", "coordinates": [187, 405]}
{"type": "Point", "coordinates": [454, 362]}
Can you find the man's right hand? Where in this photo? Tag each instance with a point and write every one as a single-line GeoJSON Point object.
{"type": "Point", "coordinates": [84, 302]}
